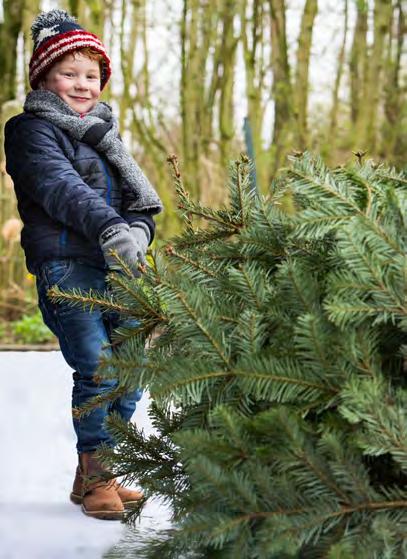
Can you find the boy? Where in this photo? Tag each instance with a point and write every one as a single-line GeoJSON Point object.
{"type": "Point", "coordinates": [80, 196]}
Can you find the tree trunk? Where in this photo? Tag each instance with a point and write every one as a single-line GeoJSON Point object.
{"type": "Point", "coordinates": [31, 10]}
{"type": "Point", "coordinates": [333, 125]}
{"type": "Point", "coordinates": [226, 112]}
{"type": "Point", "coordinates": [358, 67]}
{"type": "Point", "coordinates": [10, 29]}
{"type": "Point", "coordinates": [281, 89]}
{"type": "Point", "coordinates": [394, 141]}
{"type": "Point", "coordinates": [382, 25]}
{"type": "Point", "coordinates": [191, 92]}
{"type": "Point", "coordinates": [211, 40]}
{"type": "Point", "coordinates": [206, 76]}
{"type": "Point", "coordinates": [90, 14]}
{"type": "Point", "coordinates": [135, 104]}
{"type": "Point", "coordinates": [255, 73]}
{"type": "Point", "coordinates": [301, 76]}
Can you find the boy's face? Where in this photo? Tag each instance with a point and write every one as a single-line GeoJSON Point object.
{"type": "Point", "coordinates": [76, 79]}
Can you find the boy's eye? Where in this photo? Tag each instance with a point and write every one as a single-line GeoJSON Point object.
{"type": "Point", "coordinates": [69, 74]}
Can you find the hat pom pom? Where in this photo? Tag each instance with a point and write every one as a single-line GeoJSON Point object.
{"type": "Point", "coordinates": [46, 20]}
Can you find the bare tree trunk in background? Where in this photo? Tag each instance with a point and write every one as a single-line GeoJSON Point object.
{"type": "Point", "coordinates": [212, 39]}
{"type": "Point", "coordinates": [394, 140]}
{"type": "Point", "coordinates": [149, 136]}
{"type": "Point", "coordinates": [31, 10]}
{"type": "Point", "coordinates": [282, 90]}
{"type": "Point", "coordinates": [90, 14]}
{"type": "Point", "coordinates": [73, 7]}
{"type": "Point", "coordinates": [135, 107]}
{"type": "Point", "coordinates": [192, 76]}
{"type": "Point", "coordinates": [128, 48]}
{"type": "Point", "coordinates": [382, 25]}
{"type": "Point", "coordinates": [302, 71]}
{"type": "Point", "coordinates": [333, 125]}
{"type": "Point", "coordinates": [207, 40]}
{"type": "Point", "coordinates": [10, 29]}
{"type": "Point", "coordinates": [358, 67]}
{"type": "Point", "coordinates": [252, 37]}
{"type": "Point", "coordinates": [226, 104]}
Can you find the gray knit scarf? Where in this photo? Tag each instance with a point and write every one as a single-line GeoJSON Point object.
{"type": "Point", "coordinates": [99, 129]}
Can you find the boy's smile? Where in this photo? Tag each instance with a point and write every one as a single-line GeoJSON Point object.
{"type": "Point", "coordinates": [76, 79]}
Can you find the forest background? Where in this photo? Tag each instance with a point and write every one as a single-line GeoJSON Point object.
{"type": "Point", "coordinates": [207, 79]}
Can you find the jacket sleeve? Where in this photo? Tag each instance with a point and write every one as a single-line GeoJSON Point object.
{"type": "Point", "coordinates": [132, 216]}
{"type": "Point", "coordinates": [41, 170]}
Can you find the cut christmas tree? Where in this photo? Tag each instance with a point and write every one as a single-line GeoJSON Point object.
{"type": "Point", "coordinates": [277, 367]}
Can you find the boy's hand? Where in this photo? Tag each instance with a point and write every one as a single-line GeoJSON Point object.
{"type": "Point", "coordinates": [141, 235]}
{"type": "Point", "coordinates": [119, 239]}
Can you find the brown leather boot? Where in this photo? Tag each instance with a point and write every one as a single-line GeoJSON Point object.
{"type": "Point", "coordinates": [100, 498]}
{"type": "Point", "coordinates": [129, 497]}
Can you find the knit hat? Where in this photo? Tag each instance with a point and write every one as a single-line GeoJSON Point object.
{"type": "Point", "coordinates": [56, 34]}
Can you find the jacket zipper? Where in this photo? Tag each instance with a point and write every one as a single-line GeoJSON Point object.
{"type": "Point", "coordinates": [63, 237]}
{"type": "Point", "coordinates": [109, 183]}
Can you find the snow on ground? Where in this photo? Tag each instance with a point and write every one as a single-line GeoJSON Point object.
{"type": "Point", "coordinates": [37, 465]}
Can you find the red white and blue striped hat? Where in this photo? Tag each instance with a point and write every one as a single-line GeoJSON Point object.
{"type": "Point", "coordinates": [56, 34]}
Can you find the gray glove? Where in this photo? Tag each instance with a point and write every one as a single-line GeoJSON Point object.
{"type": "Point", "coordinates": [118, 238]}
{"type": "Point", "coordinates": [141, 234]}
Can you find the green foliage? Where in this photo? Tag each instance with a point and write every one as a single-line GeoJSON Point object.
{"type": "Point", "coordinates": [30, 329]}
{"type": "Point", "coordinates": [278, 372]}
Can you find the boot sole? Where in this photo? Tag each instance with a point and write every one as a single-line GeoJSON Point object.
{"type": "Point", "coordinates": [104, 514]}
{"type": "Point", "coordinates": [77, 500]}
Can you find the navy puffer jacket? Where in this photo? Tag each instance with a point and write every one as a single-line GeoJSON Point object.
{"type": "Point", "coordinates": [67, 193]}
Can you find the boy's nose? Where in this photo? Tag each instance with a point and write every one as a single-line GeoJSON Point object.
{"type": "Point", "coordinates": [80, 83]}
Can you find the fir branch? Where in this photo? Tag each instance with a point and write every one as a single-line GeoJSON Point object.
{"type": "Point", "coordinates": [209, 215]}
{"type": "Point", "coordinates": [249, 283]}
{"type": "Point", "coordinates": [266, 380]}
{"type": "Point", "coordinates": [252, 333]}
{"type": "Point", "coordinates": [239, 191]}
{"type": "Point", "coordinates": [392, 177]}
{"type": "Point", "coordinates": [322, 186]}
{"type": "Point", "coordinates": [89, 301]}
{"type": "Point", "coordinates": [302, 281]}
{"type": "Point", "coordinates": [367, 506]}
{"type": "Point", "coordinates": [315, 344]}
{"type": "Point", "coordinates": [100, 400]}
{"type": "Point", "coordinates": [170, 251]}
{"type": "Point", "coordinates": [381, 232]}
{"type": "Point", "coordinates": [121, 363]}
{"type": "Point", "coordinates": [190, 311]}
{"type": "Point", "coordinates": [181, 192]}
{"type": "Point", "coordinates": [265, 212]}
{"type": "Point", "coordinates": [125, 267]}
{"type": "Point", "coordinates": [310, 460]}
{"type": "Point", "coordinates": [251, 286]}
{"type": "Point", "coordinates": [134, 293]}
{"type": "Point", "coordinates": [382, 417]}
{"type": "Point", "coordinates": [203, 238]}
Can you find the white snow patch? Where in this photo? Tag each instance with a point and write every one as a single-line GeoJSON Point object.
{"type": "Point", "coordinates": [37, 465]}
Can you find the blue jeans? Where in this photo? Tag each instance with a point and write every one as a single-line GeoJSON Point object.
{"type": "Point", "coordinates": [82, 336]}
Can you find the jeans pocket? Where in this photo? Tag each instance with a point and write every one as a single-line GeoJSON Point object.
{"type": "Point", "coordinates": [55, 272]}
